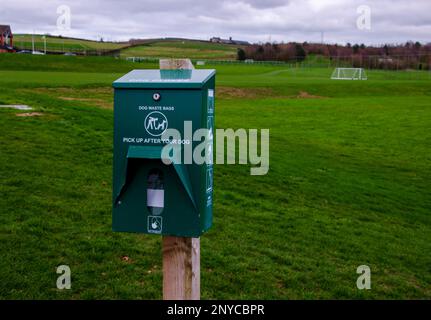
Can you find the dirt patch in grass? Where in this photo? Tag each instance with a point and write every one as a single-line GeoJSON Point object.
{"type": "Point", "coordinates": [29, 114]}
{"type": "Point", "coordinates": [306, 95]}
{"type": "Point", "coordinates": [246, 93]}
{"type": "Point", "coordinates": [94, 101]}
{"type": "Point", "coordinates": [62, 90]}
{"type": "Point", "coordinates": [255, 93]}
{"type": "Point", "coordinates": [100, 97]}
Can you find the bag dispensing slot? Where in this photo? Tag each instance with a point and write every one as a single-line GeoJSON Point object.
{"type": "Point", "coordinates": [155, 192]}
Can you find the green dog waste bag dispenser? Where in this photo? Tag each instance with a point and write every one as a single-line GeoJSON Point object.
{"type": "Point", "coordinates": [150, 196]}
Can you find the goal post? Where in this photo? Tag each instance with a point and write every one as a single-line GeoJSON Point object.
{"type": "Point", "coordinates": [349, 74]}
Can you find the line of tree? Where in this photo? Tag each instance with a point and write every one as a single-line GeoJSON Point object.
{"type": "Point", "coordinates": [273, 52]}
{"type": "Point", "coordinates": [412, 55]}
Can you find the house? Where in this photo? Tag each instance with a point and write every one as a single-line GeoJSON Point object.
{"type": "Point", "coordinates": [229, 41]}
{"type": "Point", "coordinates": [6, 39]}
{"type": "Point", "coordinates": [215, 39]}
{"type": "Point", "coordinates": [386, 60]}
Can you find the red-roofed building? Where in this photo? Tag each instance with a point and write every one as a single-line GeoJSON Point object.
{"type": "Point", "coordinates": [6, 39]}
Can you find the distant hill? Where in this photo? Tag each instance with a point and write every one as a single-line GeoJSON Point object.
{"type": "Point", "coordinates": [181, 48]}
{"type": "Point", "coordinates": [149, 48]}
{"type": "Point", "coordinates": [63, 44]}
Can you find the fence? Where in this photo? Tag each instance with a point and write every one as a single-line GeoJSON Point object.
{"type": "Point", "coordinates": [59, 49]}
{"type": "Point", "coordinates": [419, 62]}
{"type": "Point", "coordinates": [204, 61]}
{"type": "Point", "coordinates": [307, 68]}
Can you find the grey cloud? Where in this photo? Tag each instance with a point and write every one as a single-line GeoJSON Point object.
{"type": "Point", "coordinates": [253, 20]}
{"type": "Point", "coordinates": [266, 4]}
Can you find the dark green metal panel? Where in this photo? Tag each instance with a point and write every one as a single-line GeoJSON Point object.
{"type": "Point", "coordinates": [148, 195]}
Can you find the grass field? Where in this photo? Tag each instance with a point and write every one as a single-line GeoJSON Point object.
{"type": "Point", "coordinates": [54, 43]}
{"type": "Point", "coordinates": [153, 49]}
{"type": "Point", "coordinates": [349, 184]}
{"type": "Point", "coordinates": [183, 49]}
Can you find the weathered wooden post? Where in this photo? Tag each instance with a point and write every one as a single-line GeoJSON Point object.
{"type": "Point", "coordinates": [181, 268]}
{"type": "Point", "coordinates": [181, 256]}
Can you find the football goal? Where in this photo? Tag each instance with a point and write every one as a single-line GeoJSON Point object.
{"type": "Point", "coordinates": [349, 74]}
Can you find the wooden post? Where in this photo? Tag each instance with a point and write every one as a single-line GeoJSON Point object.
{"type": "Point", "coordinates": [181, 268]}
{"type": "Point", "coordinates": [181, 256]}
{"type": "Point", "coordinates": [172, 64]}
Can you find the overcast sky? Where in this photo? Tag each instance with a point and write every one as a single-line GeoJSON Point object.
{"type": "Point", "coordinates": [392, 21]}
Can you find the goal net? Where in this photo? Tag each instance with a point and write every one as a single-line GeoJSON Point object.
{"type": "Point", "coordinates": [349, 74]}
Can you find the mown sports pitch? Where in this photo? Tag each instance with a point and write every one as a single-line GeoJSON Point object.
{"type": "Point", "coordinates": [348, 185]}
